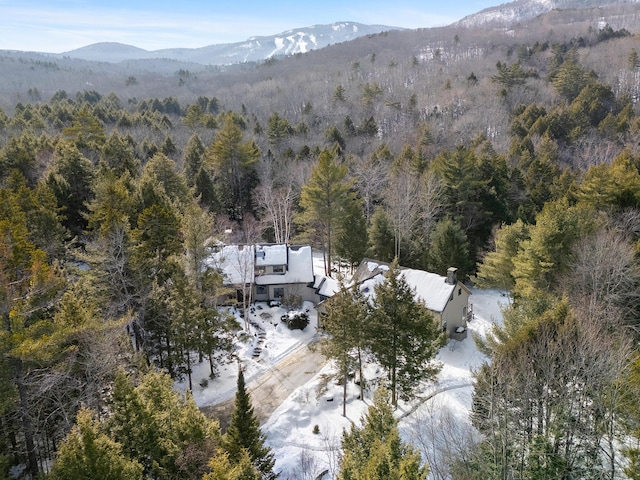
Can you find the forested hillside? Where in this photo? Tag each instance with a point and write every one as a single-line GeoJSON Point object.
{"type": "Point", "coordinates": [513, 156]}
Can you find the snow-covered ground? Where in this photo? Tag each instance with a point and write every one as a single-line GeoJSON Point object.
{"type": "Point", "coordinates": [301, 453]}
{"type": "Point", "coordinates": [439, 411]}
{"type": "Point", "coordinates": [270, 335]}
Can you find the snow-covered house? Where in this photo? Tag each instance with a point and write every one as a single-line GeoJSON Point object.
{"type": "Point", "coordinates": [446, 297]}
{"type": "Point", "coordinates": [266, 272]}
{"type": "Point", "coordinates": [283, 270]}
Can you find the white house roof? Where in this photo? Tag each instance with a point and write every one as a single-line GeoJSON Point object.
{"type": "Point", "coordinates": [326, 286]}
{"type": "Point", "coordinates": [235, 262]}
{"type": "Point", "coordinates": [299, 268]}
{"type": "Point", "coordinates": [430, 287]}
{"type": "Point", "coordinates": [271, 255]}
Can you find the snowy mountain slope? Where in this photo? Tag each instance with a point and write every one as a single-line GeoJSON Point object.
{"type": "Point", "coordinates": [299, 40]}
{"type": "Point", "coordinates": [522, 10]}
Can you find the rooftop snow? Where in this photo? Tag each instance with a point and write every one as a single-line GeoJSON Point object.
{"type": "Point", "coordinates": [328, 286]}
{"type": "Point", "coordinates": [273, 255]}
{"type": "Point", "coordinates": [236, 263]}
{"type": "Point", "coordinates": [299, 268]}
{"type": "Point", "coordinates": [430, 287]}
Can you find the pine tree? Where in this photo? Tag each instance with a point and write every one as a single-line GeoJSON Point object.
{"type": "Point", "coordinates": [404, 335]}
{"type": "Point", "coordinates": [353, 239]}
{"type": "Point", "coordinates": [192, 159]}
{"type": "Point", "coordinates": [70, 180]}
{"type": "Point", "coordinates": [89, 453]}
{"type": "Point", "coordinates": [496, 269]}
{"type": "Point", "coordinates": [244, 433]}
{"type": "Point", "coordinates": [234, 164]}
{"type": "Point", "coordinates": [223, 469]}
{"type": "Point", "coordinates": [161, 428]}
{"type": "Point", "coordinates": [119, 156]}
{"type": "Point", "coordinates": [448, 247]}
{"type": "Point", "coordinates": [325, 199]}
{"type": "Point", "coordinates": [345, 323]}
{"type": "Point", "coordinates": [381, 236]}
{"type": "Point", "coordinates": [374, 451]}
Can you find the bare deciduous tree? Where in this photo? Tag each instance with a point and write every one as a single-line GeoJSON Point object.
{"type": "Point", "coordinates": [371, 179]}
{"type": "Point", "coordinates": [402, 203]}
{"type": "Point", "coordinates": [442, 437]}
{"type": "Point", "coordinates": [604, 278]}
{"type": "Point", "coordinates": [432, 201]}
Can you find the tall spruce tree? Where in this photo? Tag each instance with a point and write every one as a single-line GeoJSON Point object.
{"type": "Point", "coordinates": [89, 453]}
{"type": "Point", "coordinates": [405, 338]}
{"type": "Point", "coordinates": [244, 434]}
{"type": "Point", "coordinates": [160, 428]}
{"type": "Point", "coordinates": [374, 451]}
{"type": "Point", "coordinates": [347, 313]}
{"type": "Point", "coordinates": [325, 200]}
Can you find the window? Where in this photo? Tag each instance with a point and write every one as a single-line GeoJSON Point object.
{"type": "Point", "coordinates": [261, 290]}
{"type": "Point", "coordinates": [278, 292]}
{"type": "Point", "coordinates": [459, 291]}
{"type": "Point", "coordinates": [278, 269]}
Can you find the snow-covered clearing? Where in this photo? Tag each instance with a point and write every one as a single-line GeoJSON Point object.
{"type": "Point", "coordinates": [441, 408]}
{"type": "Point", "coordinates": [290, 429]}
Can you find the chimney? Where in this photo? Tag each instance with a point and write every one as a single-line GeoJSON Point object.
{"type": "Point", "coordinates": [452, 277]}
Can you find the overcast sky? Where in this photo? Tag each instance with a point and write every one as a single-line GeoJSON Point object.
{"type": "Point", "coordinates": [57, 26]}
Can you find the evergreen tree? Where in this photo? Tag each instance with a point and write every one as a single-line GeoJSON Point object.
{"type": "Point", "coordinates": [161, 428]}
{"type": "Point", "coordinates": [86, 131]}
{"type": "Point", "coordinates": [449, 247]}
{"type": "Point", "coordinates": [234, 166]}
{"type": "Point", "coordinates": [162, 172]}
{"type": "Point", "coordinates": [613, 186]}
{"type": "Point", "coordinates": [325, 198]}
{"type": "Point", "coordinates": [114, 202]}
{"type": "Point", "coordinates": [381, 236]}
{"type": "Point", "coordinates": [41, 212]}
{"type": "Point", "coordinates": [570, 78]}
{"type": "Point", "coordinates": [192, 160]}
{"type": "Point", "coordinates": [544, 257]}
{"type": "Point", "coordinates": [352, 242]}
{"type": "Point", "coordinates": [88, 453]}
{"type": "Point", "coordinates": [29, 287]}
{"type": "Point", "coordinates": [244, 434]}
{"type": "Point", "coordinates": [496, 269]}
{"type": "Point", "coordinates": [374, 451]}
{"type": "Point", "coordinates": [465, 185]}
{"type": "Point", "coordinates": [278, 129]}
{"type": "Point", "coordinates": [345, 322]}
{"type": "Point", "coordinates": [197, 227]}
{"type": "Point", "coordinates": [223, 469]}
{"type": "Point", "coordinates": [19, 153]}
{"type": "Point", "coordinates": [405, 337]}
{"type": "Point", "coordinates": [70, 179]}
{"type": "Point", "coordinates": [545, 403]}
{"type": "Point", "coordinates": [119, 156]}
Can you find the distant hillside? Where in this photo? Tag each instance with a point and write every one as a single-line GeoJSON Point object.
{"type": "Point", "coordinates": [255, 49]}
{"type": "Point", "coordinates": [512, 13]}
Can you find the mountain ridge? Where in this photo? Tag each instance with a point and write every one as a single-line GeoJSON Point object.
{"type": "Point", "coordinates": [507, 14]}
{"type": "Point", "coordinates": [255, 48]}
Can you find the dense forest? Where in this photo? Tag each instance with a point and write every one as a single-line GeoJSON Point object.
{"type": "Point", "coordinates": [514, 158]}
